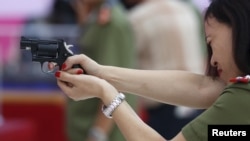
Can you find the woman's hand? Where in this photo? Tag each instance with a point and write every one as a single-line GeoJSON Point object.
{"type": "Point", "coordinates": [89, 65]}
{"type": "Point", "coordinates": [80, 86]}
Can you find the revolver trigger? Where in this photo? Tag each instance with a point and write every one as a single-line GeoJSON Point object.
{"type": "Point", "coordinates": [49, 67]}
{"type": "Point", "coordinates": [42, 67]}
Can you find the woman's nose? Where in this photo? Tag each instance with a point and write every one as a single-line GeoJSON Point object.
{"type": "Point", "coordinates": [214, 64]}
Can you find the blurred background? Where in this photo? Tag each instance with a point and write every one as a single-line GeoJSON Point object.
{"type": "Point", "coordinates": [32, 108]}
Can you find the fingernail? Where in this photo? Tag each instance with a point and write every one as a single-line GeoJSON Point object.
{"type": "Point", "coordinates": [63, 66]}
{"type": "Point", "coordinates": [57, 74]}
{"type": "Point", "coordinates": [79, 71]}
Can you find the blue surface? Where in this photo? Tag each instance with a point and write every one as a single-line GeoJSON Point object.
{"type": "Point", "coordinates": [29, 86]}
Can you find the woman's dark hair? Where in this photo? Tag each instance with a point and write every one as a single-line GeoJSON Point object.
{"type": "Point", "coordinates": [236, 14]}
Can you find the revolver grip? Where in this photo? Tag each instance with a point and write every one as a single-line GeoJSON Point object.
{"type": "Point", "coordinates": [77, 66]}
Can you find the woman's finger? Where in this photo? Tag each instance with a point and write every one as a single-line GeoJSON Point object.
{"type": "Point", "coordinates": [73, 60]}
{"type": "Point", "coordinates": [75, 71]}
{"type": "Point", "coordinates": [51, 65]}
{"type": "Point", "coordinates": [65, 77]}
{"type": "Point", "coordinates": [64, 87]}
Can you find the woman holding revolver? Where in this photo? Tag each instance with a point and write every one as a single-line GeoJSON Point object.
{"type": "Point", "coordinates": [224, 92]}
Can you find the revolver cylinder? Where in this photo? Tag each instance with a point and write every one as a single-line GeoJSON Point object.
{"type": "Point", "coordinates": [50, 50]}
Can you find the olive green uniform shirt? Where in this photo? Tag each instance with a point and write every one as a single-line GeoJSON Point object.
{"type": "Point", "coordinates": [232, 107]}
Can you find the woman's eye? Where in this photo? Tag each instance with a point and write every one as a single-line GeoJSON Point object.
{"type": "Point", "coordinates": [209, 44]}
{"type": "Point", "coordinates": [209, 48]}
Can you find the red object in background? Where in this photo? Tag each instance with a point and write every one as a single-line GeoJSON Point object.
{"type": "Point", "coordinates": [18, 130]}
{"type": "Point", "coordinates": [45, 113]}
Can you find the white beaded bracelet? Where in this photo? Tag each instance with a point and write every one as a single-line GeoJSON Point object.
{"type": "Point", "coordinates": [108, 110]}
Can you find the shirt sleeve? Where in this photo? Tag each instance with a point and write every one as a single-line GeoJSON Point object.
{"type": "Point", "coordinates": [226, 110]}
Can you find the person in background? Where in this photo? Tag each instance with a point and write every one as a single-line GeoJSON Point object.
{"type": "Point", "coordinates": [201, 5]}
{"type": "Point", "coordinates": [105, 35]}
{"type": "Point", "coordinates": [130, 4]}
{"type": "Point", "coordinates": [164, 42]}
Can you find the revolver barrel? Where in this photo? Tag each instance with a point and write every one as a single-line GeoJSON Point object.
{"type": "Point", "coordinates": [40, 48]}
{"type": "Point", "coordinates": [26, 43]}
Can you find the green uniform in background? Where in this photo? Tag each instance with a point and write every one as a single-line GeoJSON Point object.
{"type": "Point", "coordinates": [232, 107]}
{"type": "Point", "coordinates": [109, 44]}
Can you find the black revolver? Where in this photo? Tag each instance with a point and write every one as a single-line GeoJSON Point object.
{"type": "Point", "coordinates": [42, 51]}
